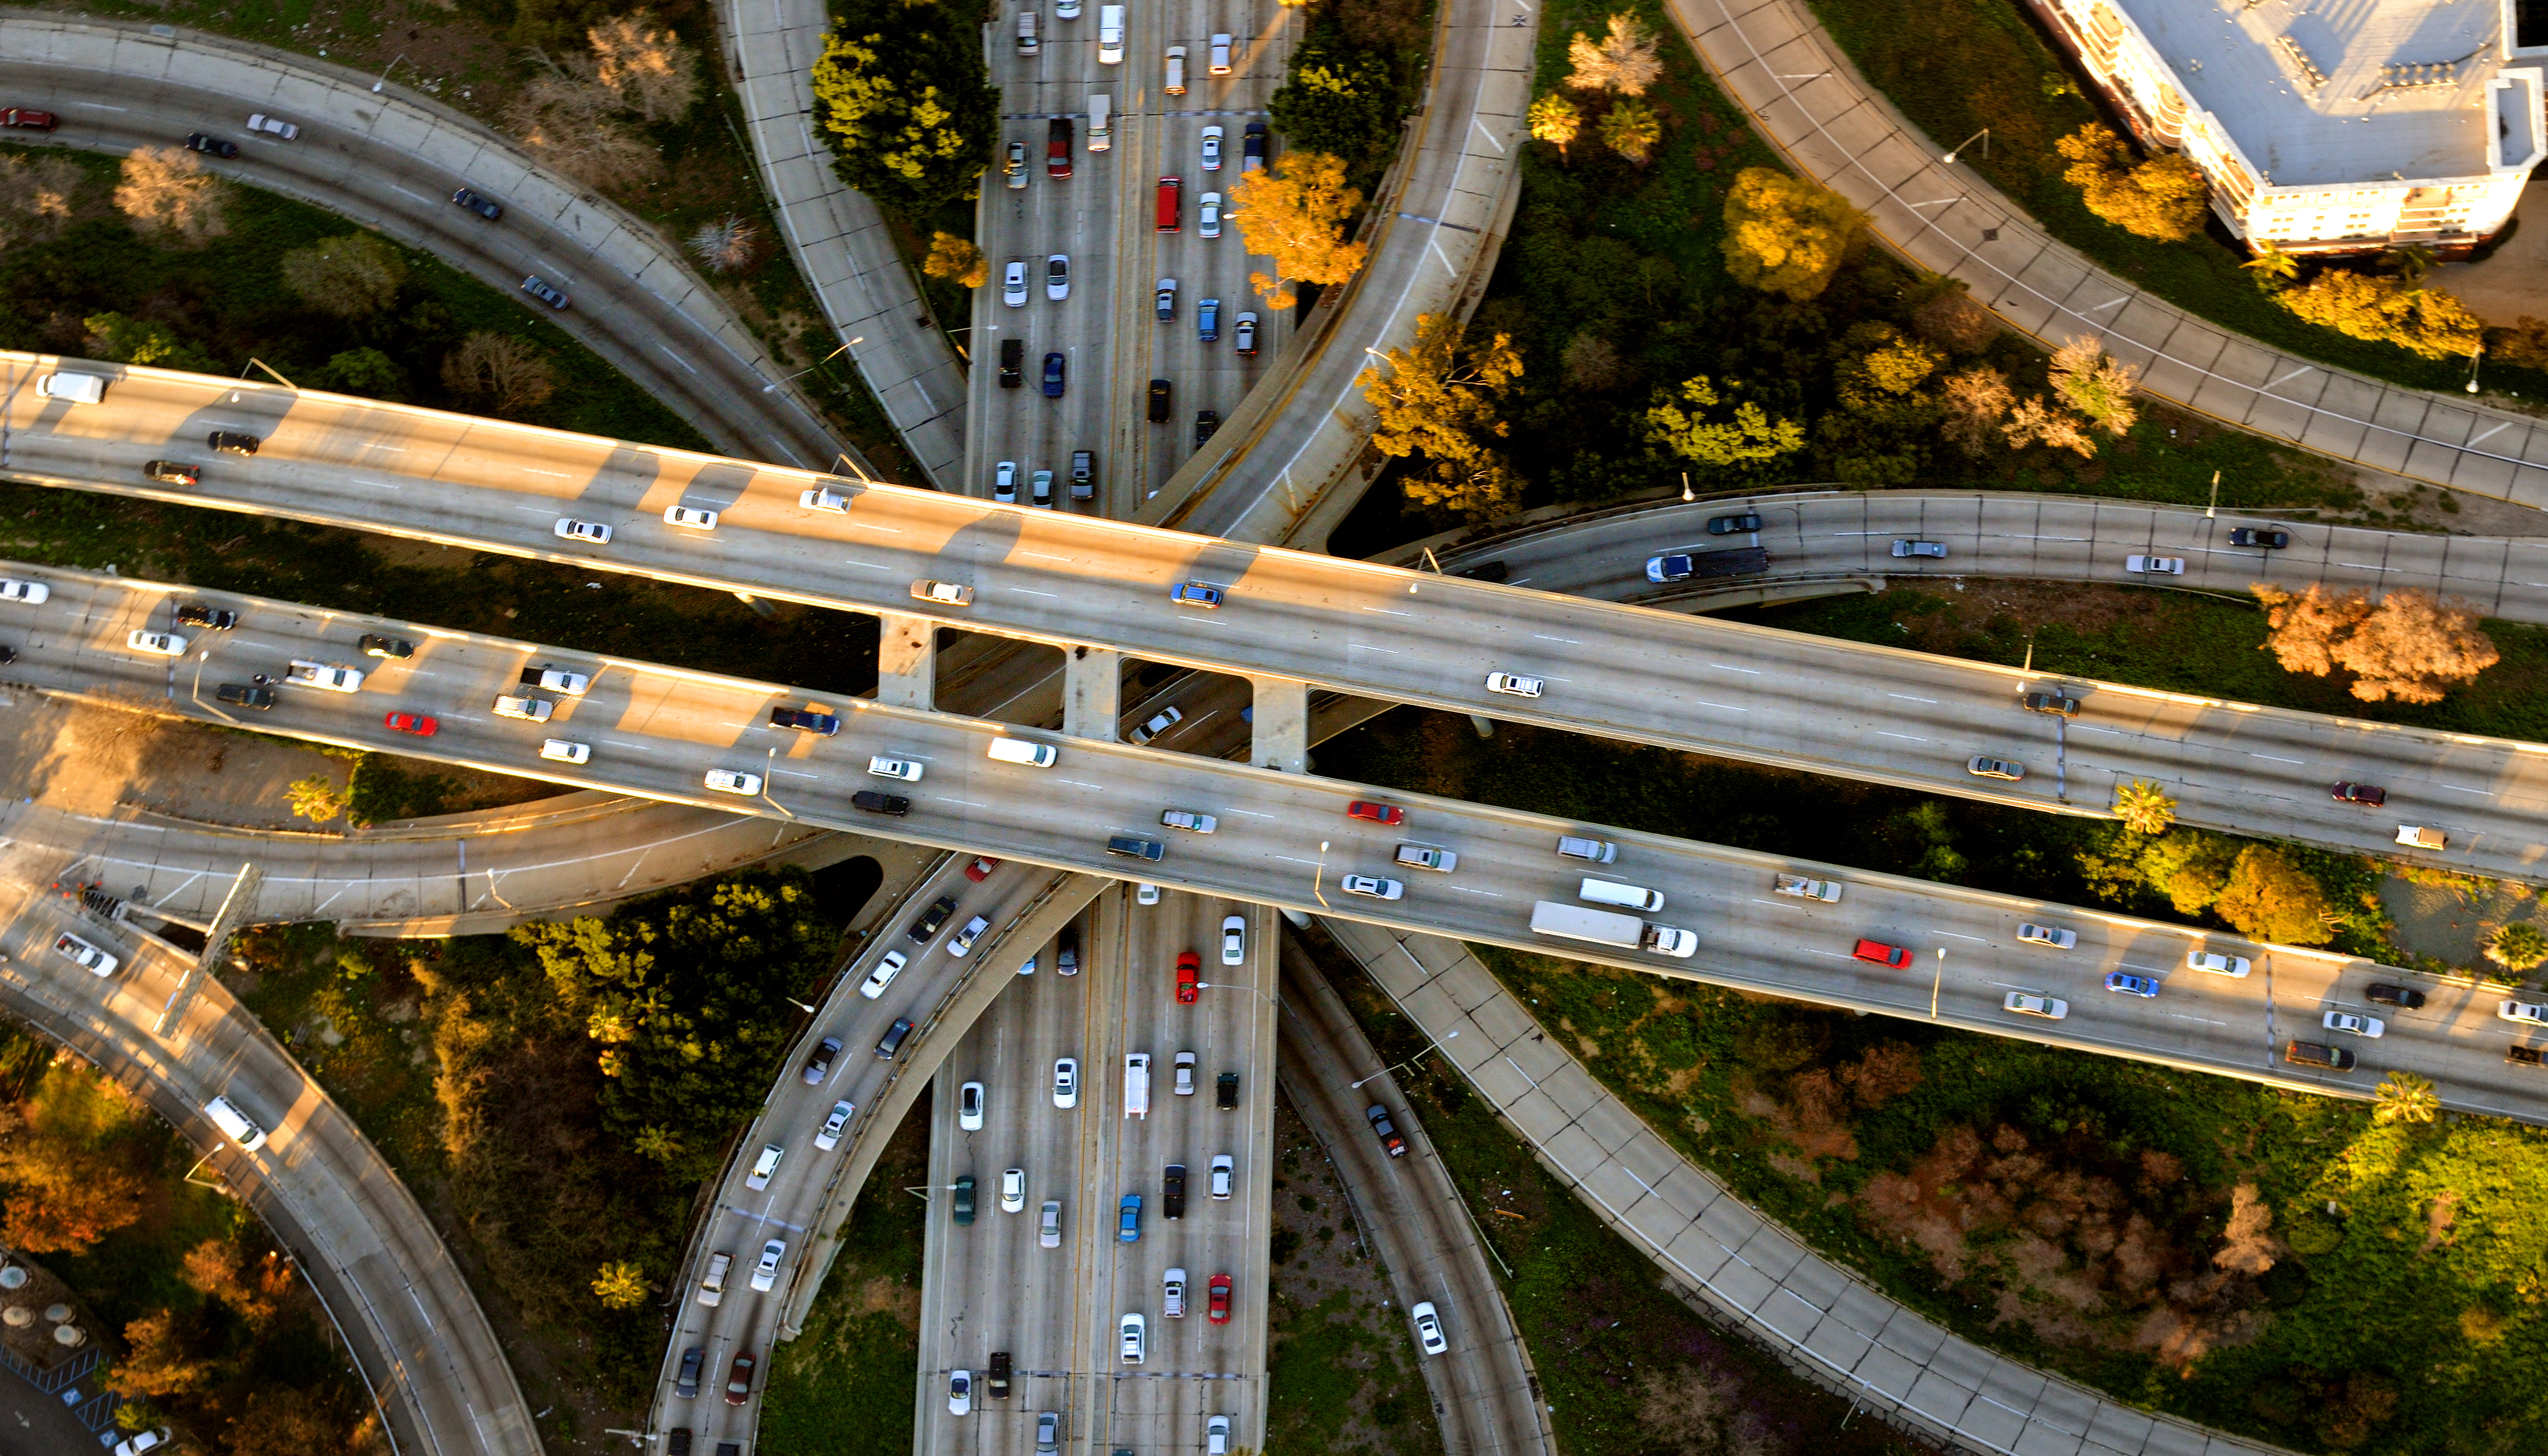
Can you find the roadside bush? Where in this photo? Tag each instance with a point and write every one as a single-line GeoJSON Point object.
{"type": "Point", "coordinates": [906, 104]}
{"type": "Point", "coordinates": [1338, 98]}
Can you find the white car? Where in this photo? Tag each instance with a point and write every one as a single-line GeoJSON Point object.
{"type": "Point", "coordinates": [689, 517]}
{"type": "Point", "coordinates": [157, 644]}
{"type": "Point", "coordinates": [552, 680]}
{"type": "Point", "coordinates": [1067, 10]}
{"type": "Point", "coordinates": [1215, 1435]}
{"type": "Point", "coordinates": [2028, 1003]}
{"type": "Point", "coordinates": [145, 1442]}
{"type": "Point", "coordinates": [1145, 893]}
{"type": "Point", "coordinates": [1513, 684]}
{"type": "Point", "coordinates": [273, 126]}
{"type": "Point", "coordinates": [712, 1283]}
{"type": "Point", "coordinates": [1983, 766]}
{"type": "Point", "coordinates": [2233, 966]}
{"type": "Point", "coordinates": [1160, 722]}
{"type": "Point", "coordinates": [882, 977]}
{"type": "Point", "coordinates": [963, 945]}
{"type": "Point", "coordinates": [1172, 1295]}
{"type": "Point", "coordinates": [1372, 885]}
{"type": "Point", "coordinates": [529, 710]}
{"type": "Point", "coordinates": [570, 529]}
{"type": "Point", "coordinates": [830, 1137]}
{"type": "Point", "coordinates": [1428, 1328]}
{"type": "Point", "coordinates": [1212, 147]}
{"type": "Point", "coordinates": [734, 780]}
{"type": "Point", "coordinates": [1188, 819]}
{"type": "Point", "coordinates": [1065, 1082]}
{"type": "Point", "coordinates": [1049, 1224]}
{"type": "Point", "coordinates": [969, 1107]}
{"type": "Point", "coordinates": [825, 499]}
{"type": "Point", "coordinates": [1013, 284]}
{"type": "Point", "coordinates": [2533, 1012]}
{"type": "Point", "coordinates": [1233, 940]}
{"type": "Point", "coordinates": [2161, 566]}
{"type": "Point", "coordinates": [1135, 1332]}
{"type": "Point", "coordinates": [2048, 935]}
{"type": "Point", "coordinates": [561, 751]}
{"type": "Point", "coordinates": [33, 594]}
{"type": "Point", "coordinates": [1057, 278]}
{"type": "Point", "coordinates": [1208, 209]}
{"type": "Point", "coordinates": [86, 956]}
{"type": "Point", "coordinates": [1004, 483]}
{"type": "Point", "coordinates": [324, 676]}
{"type": "Point", "coordinates": [2360, 1026]}
{"type": "Point", "coordinates": [765, 1273]}
{"type": "Point", "coordinates": [1185, 1077]}
{"type": "Point", "coordinates": [1013, 1191]}
{"type": "Point", "coordinates": [1218, 61]}
{"type": "Point", "coordinates": [944, 594]}
{"type": "Point", "coordinates": [1224, 1170]}
{"type": "Point", "coordinates": [906, 770]}
{"type": "Point", "coordinates": [960, 1393]}
{"type": "Point", "coordinates": [764, 1167]}
{"type": "Point", "coordinates": [1014, 166]}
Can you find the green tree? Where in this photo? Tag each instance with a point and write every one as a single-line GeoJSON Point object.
{"type": "Point", "coordinates": [662, 1145]}
{"type": "Point", "coordinates": [1337, 97]}
{"type": "Point", "coordinates": [349, 277]}
{"type": "Point", "coordinates": [906, 104]}
{"type": "Point", "coordinates": [1442, 398]}
{"type": "Point", "coordinates": [124, 339]}
{"type": "Point", "coordinates": [1632, 128]}
{"type": "Point", "coordinates": [2271, 269]}
{"type": "Point", "coordinates": [366, 371]}
{"type": "Point", "coordinates": [1785, 234]}
{"type": "Point", "coordinates": [620, 1286]}
{"type": "Point", "coordinates": [1751, 437]}
{"type": "Point", "coordinates": [1556, 120]}
{"type": "Point", "coordinates": [2145, 807]}
{"type": "Point", "coordinates": [2163, 198]}
{"type": "Point", "coordinates": [2269, 898]}
{"type": "Point", "coordinates": [2403, 1097]}
{"type": "Point", "coordinates": [2519, 946]}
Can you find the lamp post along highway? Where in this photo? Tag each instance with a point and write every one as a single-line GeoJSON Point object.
{"type": "Point", "coordinates": [1982, 137]}
{"type": "Point", "coordinates": [1411, 1061]}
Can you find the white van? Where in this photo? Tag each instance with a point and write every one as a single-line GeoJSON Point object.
{"type": "Point", "coordinates": [235, 1123]}
{"type": "Point", "coordinates": [1627, 896]}
{"type": "Point", "coordinates": [78, 389]}
{"type": "Point", "coordinates": [1136, 1085]}
{"type": "Point", "coordinates": [1176, 71]}
{"type": "Point", "coordinates": [1023, 751]}
{"type": "Point", "coordinates": [1101, 138]}
{"type": "Point", "coordinates": [1598, 851]}
{"type": "Point", "coordinates": [1110, 35]}
{"type": "Point", "coordinates": [1026, 33]}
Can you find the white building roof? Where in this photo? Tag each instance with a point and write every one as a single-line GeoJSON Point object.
{"type": "Point", "coordinates": [2320, 92]}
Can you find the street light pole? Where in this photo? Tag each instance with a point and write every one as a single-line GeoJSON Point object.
{"type": "Point", "coordinates": [2474, 355]}
{"type": "Point", "coordinates": [1936, 985]}
{"type": "Point", "coordinates": [772, 387]}
{"type": "Point", "coordinates": [1320, 875]}
{"type": "Point", "coordinates": [385, 72]}
{"type": "Point", "coordinates": [1982, 136]}
{"type": "Point", "coordinates": [1411, 1061]}
{"type": "Point", "coordinates": [2213, 511]}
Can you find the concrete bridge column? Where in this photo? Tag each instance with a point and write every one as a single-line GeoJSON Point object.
{"type": "Point", "coordinates": [906, 661]}
{"type": "Point", "coordinates": [1092, 702]}
{"type": "Point", "coordinates": [1282, 724]}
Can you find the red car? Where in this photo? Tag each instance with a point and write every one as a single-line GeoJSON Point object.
{"type": "Point", "coordinates": [19, 118]}
{"type": "Point", "coordinates": [981, 867]}
{"type": "Point", "coordinates": [416, 723]}
{"type": "Point", "coordinates": [738, 1380]}
{"type": "Point", "coordinates": [1219, 1309]}
{"type": "Point", "coordinates": [1882, 954]}
{"type": "Point", "coordinates": [1189, 971]}
{"type": "Point", "coordinates": [1376, 813]}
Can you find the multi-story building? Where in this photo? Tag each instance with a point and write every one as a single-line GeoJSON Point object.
{"type": "Point", "coordinates": [2331, 126]}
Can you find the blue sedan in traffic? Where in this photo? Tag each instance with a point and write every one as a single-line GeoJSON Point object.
{"type": "Point", "coordinates": [1130, 1229]}
{"type": "Point", "coordinates": [2129, 984]}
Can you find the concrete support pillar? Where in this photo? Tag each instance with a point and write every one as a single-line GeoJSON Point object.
{"type": "Point", "coordinates": [906, 661]}
{"type": "Point", "coordinates": [1092, 700]}
{"type": "Point", "coordinates": [1281, 721]}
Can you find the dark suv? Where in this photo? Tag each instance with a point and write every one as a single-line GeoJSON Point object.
{"type": "Point", "coordinates": [232, 443]}
{"type": "Point", "coordinates": [1069, 953]}
{"type": "Point", "coordinates": [2405, 998]}
{"type": "Point", "coordinates": [1158, 402]}
{"type": "Point", "coordinates": [2053, 702]}
{"type": "Point", "coordinates": [1207, 424]}
{"type": "Point", "coordinates": [209, 618]}
{"type": "Point", "coordinates": [1013, 363]}
{"type": "Point", "coordinates": [2311, 1054]}
{"type": "Point", "coordinates": [804, 721]}
{"type": "Point", "coordinates": [2264, 537]}
{"type": "Point", "coordinates": [245, 696]}
{"type": "Point", "coordinates": [874, 802]}
{"type": "Point", "coordinates": [485, 206]}
{"type": "Point", "coordinates": [1733, 526]}
{"type": "Point", "coordinates": [931, 920]}
{"type": "Point", "coordinates": [1226, 1091]}
{"type": "Point", "coordinates": [211, 145]}
{"type": "Point", "coordinates": [1172, 1198]}
{"type": "Point", "coordinates": [685, 1386]}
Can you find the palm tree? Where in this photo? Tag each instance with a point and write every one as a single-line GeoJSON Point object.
{"type": "Point", "coordinates": [2272, 267]}
{"type": "Point", "coordinates": [1555, 120]}
{"type": "Point", "coordinates": [2412, 264]}
{"type": "Point", "coordinates": [2144, 806]}
{"type": "Point", "coordinates": [2405, 1097]}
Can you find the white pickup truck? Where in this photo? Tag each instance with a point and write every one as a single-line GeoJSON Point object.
{"type": "Point", "coordinates": [323, 675]}
{"type": "Point", "coordinates": [1826, 890]}
{"type": "Point", "coordinates": [1428, 857]}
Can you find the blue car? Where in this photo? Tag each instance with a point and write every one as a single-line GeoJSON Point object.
{"type": "Point", "coordinates": [1195, 593]}
{"type": "Point", "coordinates": [1128, 1229]}
{"type": "Point", "coordinates": [1053, 376]}
{"type": "Point", "coordinates": [2129, 984]}
{"type": "Point", "coordinates": [1207, 319]}
{"type": "Point", "coordinates": [1675, 568]}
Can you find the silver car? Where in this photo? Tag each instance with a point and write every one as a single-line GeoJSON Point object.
{"type": "Point", "coordinates": [1049, 1230]}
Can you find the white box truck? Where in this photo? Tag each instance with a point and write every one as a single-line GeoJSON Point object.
{"type": "Point", "coordinates": [1101, 138]}
{"type": "Point", "coordinates": [1609, 928]}
{"type": "Point", "coordinates": [1110, 35]}
{"type": "Point", "coordinates": [1136, 1085]}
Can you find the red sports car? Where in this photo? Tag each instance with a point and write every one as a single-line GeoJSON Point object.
{"type": "Point", "coordinates": [1375, 812]}
{"type": "Point", "coordinates": [981, 867]}
{"type": "Point", "coordinates": [416, 723]}
{"type": "Point", "coordinates": [1189, 971]}
{"type": "Point", "coordinates": [1217, 1310]}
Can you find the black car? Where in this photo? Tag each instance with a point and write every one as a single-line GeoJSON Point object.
{"type": "Point", "coordinates": [819, 1066]}
{"type": "Point", "coordinates": [1053, 368]}
{"type": "Point", "coordinates": [209, 618]}
{"type": "Point", "coordinates": [172, 473]}
{"type": "Point", "coordinates": [1251, 147]}
{"type": "Point", "coordinates": [1388, 1131]}
{"type": "Point", "coordinates": [8, 655]}
{"type": "Point", "coordinates": [1172, 1198]}
{"type": "Point", "coordinates": [1484, 571]}
{"type": "Point", "coordinates": [485, 206]}
{"type": "Point", "coordinates": [1207, 424]}
{"type": "Point", "coordinates": [2264, 537]}
{"type": "Point", "coordinates": [2523, 1055]}
{"type": "Point", "coordinates": [2349, 793]}
{"type": "Point", "coordinates": [1158, 402]}
{"type": "Point", "coordinates": [1733, 526]}
{"type": "Point", "coordinates": [1013, 363]}
{"type": "Point", "coordinates": [245, 696]}
{"type": "Point", "coordinates": [931, 920]}
{"type": "Point", "coordinates": [2053, 702]}
{"type": "Point", "coordinates": [891, 1041]}
{"type": "Point", "coordinates": [1226, 1091]}
{"type": "Point", "coordinates": [1069, 956]}
{"type": "Point", "coordinates": [2319, 1054]}
{"type": "Point", "coordinates": [374, 644]}
{"type": "Point", "coordinates": [804, 721]}
{"type": "Point", "coordinates": [231, 442]}
{"type": "Point", "coordinates": [2405, 998]}
{"type": "Point", "coordinates": [677, 1441]}
{"type": "Point", "coordinates": [996, 1383]}
{"type": "Point", "coordinates": [212, 146]}
{"type": "Point", "coordinates": [685, 1386]}
{"type": "Point", "coordinates": [874, 802]}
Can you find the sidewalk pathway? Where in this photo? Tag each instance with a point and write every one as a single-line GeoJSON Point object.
{"type": "Point", "coordinates": [1807, 99]}
{"type": "Point", "coordinates": [838, 237]}
{"type": "Point", "coordinates": [1824, 1322]}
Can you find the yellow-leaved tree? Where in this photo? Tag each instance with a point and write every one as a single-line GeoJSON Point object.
{"type": "Point", "coordinates": [1294, 212]}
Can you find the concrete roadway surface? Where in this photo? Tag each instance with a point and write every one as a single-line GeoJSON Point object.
{"type": "Point", "coordinates": [1057, 1310]}
{"type": "Point", "coordinates": [1613, 670]}
{"type": "Point", "coordinates": [1103, 218]}
{"type": "Point", "coordinates": [1282, 837]}
{"type": "Point", "coordinates": [392, 162]}
{"type": "Point", "coordinates": [1484, 1388]}
{"type": "Point", "coordinates": [413, 1327]}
